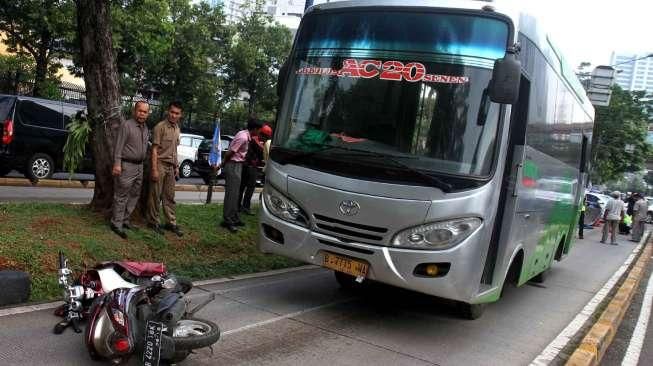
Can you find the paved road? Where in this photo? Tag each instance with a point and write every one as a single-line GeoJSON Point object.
{"type": "Point", "coordinates": [624, 348]}
{"type": "Point", "coordinates": [303, 318]}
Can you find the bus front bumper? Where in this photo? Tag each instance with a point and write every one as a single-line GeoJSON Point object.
{"type": "Point", "coordinates": [388, 265]}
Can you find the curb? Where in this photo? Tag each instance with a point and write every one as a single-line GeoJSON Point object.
{"type": "Point", "coordinates": [598, 339]}
{"type": "Point", "coordinates": [65, 183]}
{"type": "Point", "coordinates": [32, 307]}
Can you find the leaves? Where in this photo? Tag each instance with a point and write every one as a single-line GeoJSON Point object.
{"type": "Point", "coordinates": [79, 130]}
{"type": "Point", "coordinates": [619, 141]}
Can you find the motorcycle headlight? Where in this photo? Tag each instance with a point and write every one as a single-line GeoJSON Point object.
{"type": "Point", "coordinates": [282, 207]}
{"type": "Point", "coordinates": [438, 235]}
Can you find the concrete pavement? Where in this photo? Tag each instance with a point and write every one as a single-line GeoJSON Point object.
{"type": "Point", "coordinates": [303, 318]}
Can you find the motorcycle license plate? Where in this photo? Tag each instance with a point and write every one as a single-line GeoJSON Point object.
{"type": "Point", "coordinates": [152, 348]}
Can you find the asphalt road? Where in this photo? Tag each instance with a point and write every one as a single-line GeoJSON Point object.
{"type": "Point", "coordinates": [303, 318]}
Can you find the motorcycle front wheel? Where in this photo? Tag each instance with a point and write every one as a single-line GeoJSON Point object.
{"type": "Point", "coordinates": [193, 333]}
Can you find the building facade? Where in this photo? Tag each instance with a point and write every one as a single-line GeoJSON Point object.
{"type": "Point", "coordinates": [633, 75]}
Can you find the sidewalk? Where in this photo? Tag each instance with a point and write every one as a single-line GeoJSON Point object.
{"type": "Point", "coordinates": [85, 184]}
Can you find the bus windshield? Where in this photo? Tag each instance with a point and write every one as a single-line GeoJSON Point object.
{"type": "Point", "coordinates": [407, 85]}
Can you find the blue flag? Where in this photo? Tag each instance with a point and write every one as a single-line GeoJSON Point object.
{"type": "Point", "coordinates": [215, 156]}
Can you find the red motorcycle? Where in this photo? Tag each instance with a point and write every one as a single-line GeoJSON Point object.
{"type": "Point", "coordinates": [134, 308]}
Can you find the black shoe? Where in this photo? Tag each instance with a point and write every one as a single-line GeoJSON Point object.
{"type": "Point", "coordinates": [246, 211]}
{"type": "Point", "coordinates": [156, 228]}
{"type": "Point", "coordinates": [128, 226]}
{"type": "Point", "coordinates": [229, 227]}
{"type": "Point", "coordinates": [120, 232]}
{"type": "Point", "coordinates": [175, 229]}
{"type": "Point", "coordinates": [239, 223]}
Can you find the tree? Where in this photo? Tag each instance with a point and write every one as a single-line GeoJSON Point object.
{"type": "Point", "coordinates": [619, 140]}
{"type": "Point", "coordinates": [102, 92]}
{"type": "Point", "coordinates": [37, 28]}
{"type": "Point", "coordinates": [259, 49]}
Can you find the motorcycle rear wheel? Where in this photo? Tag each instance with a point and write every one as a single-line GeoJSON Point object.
{"type": "Point", "coordinates": [193, 333]}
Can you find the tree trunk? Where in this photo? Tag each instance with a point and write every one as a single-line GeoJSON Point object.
{"type": "Point", "coordinates": [40, 75]}
{"type": "Point", "coordinates": [102, 92]}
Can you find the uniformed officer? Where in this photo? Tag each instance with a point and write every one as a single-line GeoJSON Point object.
{"type": "Point", "coordinates": [165, 168]}
{"type": "Point", "coordinates": [129, 153]}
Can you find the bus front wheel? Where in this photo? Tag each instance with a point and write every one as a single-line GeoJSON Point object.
{"type": "Point", "coordinates": [471, 311]}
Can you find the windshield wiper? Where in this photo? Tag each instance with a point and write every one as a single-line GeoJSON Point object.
{"type": "Point", "coordinates": [433, 181]}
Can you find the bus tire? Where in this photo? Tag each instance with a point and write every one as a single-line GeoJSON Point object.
{"type": "Point", "coordinates": [471, 311]}
{"type": "Point", "coordinates": [347, 282]}
{"type": "Point", "coordinates": [541, 277]}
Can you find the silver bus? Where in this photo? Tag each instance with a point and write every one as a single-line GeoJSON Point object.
{"type": "Point", "coordinates": [438, 146]}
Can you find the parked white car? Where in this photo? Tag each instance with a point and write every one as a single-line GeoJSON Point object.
{"type": "Point", "coordinates": [186, 153]}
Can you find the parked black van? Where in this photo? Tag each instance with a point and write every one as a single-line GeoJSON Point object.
{"type": "Point", "coordinates": [34, 132]}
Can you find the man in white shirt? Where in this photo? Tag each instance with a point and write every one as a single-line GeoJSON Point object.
{"type": "Point", "coordinates": [614, 213]}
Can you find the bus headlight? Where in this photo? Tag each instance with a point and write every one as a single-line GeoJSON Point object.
{"type": "Point", "coordinates": [437, 235]}
{"type": "Point", "coordinates": [282, 207]}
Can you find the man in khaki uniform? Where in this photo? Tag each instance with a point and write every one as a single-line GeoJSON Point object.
{"type": "Point", "coordinates": [165, 168]}
{"type": "Point", "coordinates": [129, 153]}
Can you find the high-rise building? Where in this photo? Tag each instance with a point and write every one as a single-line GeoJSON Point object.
{"type": "Point", "coordinates": [634, 71]}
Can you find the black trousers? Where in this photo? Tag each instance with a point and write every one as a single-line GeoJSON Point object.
{"type": "Point", "coordinates": [247, 186]}
{"type": "Point", "coordinates": [581, 224]}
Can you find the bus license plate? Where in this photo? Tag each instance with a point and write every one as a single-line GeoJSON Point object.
{"type": "Point", "coordinates": [346, 265]}
{"type": "Point", "coordinates": [152, 348]}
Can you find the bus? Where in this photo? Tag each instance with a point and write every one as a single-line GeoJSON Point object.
{"type": "Point", "coordinates": [437, 146]}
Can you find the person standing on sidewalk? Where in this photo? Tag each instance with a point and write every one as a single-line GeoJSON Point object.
{"type": "Point", "coordinates": [614, 213]}
{"type": "Point", "coordinates": [164, 171]}
{"type": "Point", "coordinates": [232, 163]}
{"type": "Point", "coordinates": [640, 211]}
{"type": "Point", "coordinates": [129, 153]}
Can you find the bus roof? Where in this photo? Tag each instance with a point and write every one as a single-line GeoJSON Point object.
{"type": "Point", "coordinates": [523, 22]}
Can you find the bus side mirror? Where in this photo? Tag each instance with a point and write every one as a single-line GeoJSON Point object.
{"type": "Point", "coordinates": [504, 86]}
{"type": "Point", "coordinates": [281, 79]}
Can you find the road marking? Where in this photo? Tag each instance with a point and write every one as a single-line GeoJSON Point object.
{"type": "Point", "coordinates": [51, 305]}
{"type": "Point", "coordinates": [558, 344]}
{"type": "Point", "coordinates": [287, 316]}
{"type": "Point", "coordinates": [631, 358]}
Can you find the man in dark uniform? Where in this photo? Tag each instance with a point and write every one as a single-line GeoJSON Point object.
{"type": "Point", "coordinates": [165, 168]}
{"type": "Point", "coordinates": [129, 153]}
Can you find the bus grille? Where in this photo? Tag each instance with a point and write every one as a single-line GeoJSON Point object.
{"type": "Point", "coordinates": [346, 231]}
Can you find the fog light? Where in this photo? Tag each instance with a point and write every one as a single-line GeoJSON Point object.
{"type": "Point", "coordinates": [273, 234]}
{"type": "Point", "coordinates": [431, 270]}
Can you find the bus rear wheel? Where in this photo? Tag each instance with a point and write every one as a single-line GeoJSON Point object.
{"type": "Point", "coordinates": [470, 311]}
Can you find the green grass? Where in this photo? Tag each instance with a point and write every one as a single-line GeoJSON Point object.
{"type": "Point", "coordinates": [32, 234]}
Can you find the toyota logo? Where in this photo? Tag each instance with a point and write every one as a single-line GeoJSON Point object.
{"type": "Point", "coordinates": [349, 208]}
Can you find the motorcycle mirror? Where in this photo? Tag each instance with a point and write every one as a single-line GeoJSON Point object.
{"type": "Point", "coordinates": [169, 284]}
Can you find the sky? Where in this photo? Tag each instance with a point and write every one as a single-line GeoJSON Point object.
{"type": "Point", "coordinates": [589, 30]}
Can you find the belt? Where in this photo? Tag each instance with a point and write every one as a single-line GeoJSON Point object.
{"type": "Point", "coordinates": [133, 161]}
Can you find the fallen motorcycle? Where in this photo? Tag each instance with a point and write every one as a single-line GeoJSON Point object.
{"type": "Point", "coordinates": [152, 318]}
{"type": "Point", "coordinates": [103, 278]}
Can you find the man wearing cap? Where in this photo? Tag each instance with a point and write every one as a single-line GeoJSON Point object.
{"type": "Point", "coordinates": [614, 213]}
{"type": "Point", "coordinates": [129, 153]}
{"type": "Point", "coordinates": [232, 163]}
{"type": "Point", "coordinates": [254, 160]}
{"type": "Point", "coordinates": [165, 168]}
